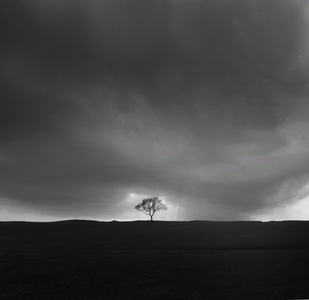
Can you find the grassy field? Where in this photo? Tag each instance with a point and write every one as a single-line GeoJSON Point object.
{"type": "Point", "coordinates": [154, 260]}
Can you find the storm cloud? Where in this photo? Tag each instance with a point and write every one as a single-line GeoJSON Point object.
{"type": "Point", "coordinates": [201, 102]}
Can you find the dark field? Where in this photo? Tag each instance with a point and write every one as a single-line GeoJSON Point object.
{"type": "Point", "coordinates": [158, 260]}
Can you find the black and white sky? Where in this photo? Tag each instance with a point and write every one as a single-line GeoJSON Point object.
{"type": "Point", "coordinates": [201, 102]}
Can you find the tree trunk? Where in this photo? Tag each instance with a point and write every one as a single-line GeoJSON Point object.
{"type": "Point", "coordinates": [151, 218]}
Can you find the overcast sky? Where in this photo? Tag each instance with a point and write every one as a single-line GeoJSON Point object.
{"type": "Point", "coordinates": [201, 102]}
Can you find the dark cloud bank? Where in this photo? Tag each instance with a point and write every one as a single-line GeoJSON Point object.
{"type": "Point", "coordinates": [203, 102]}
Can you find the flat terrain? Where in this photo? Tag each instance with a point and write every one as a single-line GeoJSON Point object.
{"type": "Point", "coordinates": [154, 260]}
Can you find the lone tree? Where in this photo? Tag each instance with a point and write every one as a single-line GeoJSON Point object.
{"type": "Point", "coordinates": [149, 206]}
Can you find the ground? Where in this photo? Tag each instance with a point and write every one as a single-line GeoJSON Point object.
{"type": "Point", "coordinates": [154, 260]}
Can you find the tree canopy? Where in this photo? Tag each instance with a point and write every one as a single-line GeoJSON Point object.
{"type": "Point", "coordinates": [150, 206]}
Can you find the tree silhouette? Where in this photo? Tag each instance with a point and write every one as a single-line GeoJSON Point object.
{"type": "Point", "coordinates": [149, 206]}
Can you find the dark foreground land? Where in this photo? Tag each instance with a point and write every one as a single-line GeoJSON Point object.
{"type": "Point", "coordinates": [158, 260]}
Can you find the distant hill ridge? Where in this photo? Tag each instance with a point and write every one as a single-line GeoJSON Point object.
{"type": "Point", "coordinates": [176, 235]}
